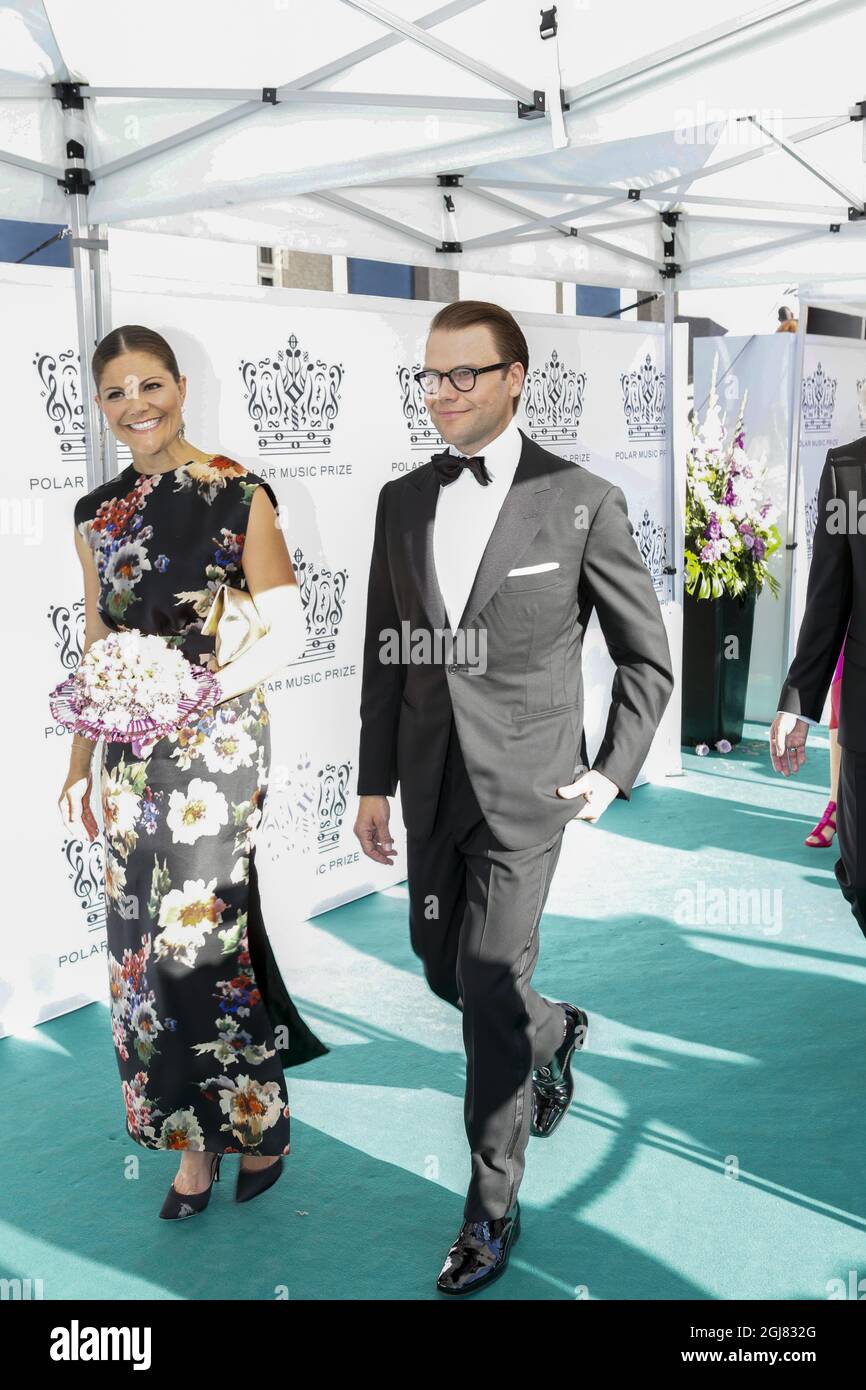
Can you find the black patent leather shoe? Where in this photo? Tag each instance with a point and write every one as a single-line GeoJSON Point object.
{"type": "Point", "coordinates": [178, 1205]}
{"type": "Point", "coordinates": [553, 1085]}
{"type": "Point", "coordinates": [480, 1253]}
{"type": "Point", "coordinates": [251, 1182]}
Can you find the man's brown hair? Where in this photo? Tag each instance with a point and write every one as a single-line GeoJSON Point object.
{"type": "Point", "coordinates": [507, 334]}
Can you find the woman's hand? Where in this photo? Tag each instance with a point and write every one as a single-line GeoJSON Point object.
{"type": "Point", "coordinates": [74, 803]}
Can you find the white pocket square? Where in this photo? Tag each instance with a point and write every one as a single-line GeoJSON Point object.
{"type": "Point", "coordinates": [536, 569]}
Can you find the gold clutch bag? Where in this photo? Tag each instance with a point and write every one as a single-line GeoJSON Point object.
{"type": "Point", "coordinates": [234, 622]}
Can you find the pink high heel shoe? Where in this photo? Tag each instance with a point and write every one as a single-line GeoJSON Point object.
{"type": "Point", "coordinates": [822, 835]}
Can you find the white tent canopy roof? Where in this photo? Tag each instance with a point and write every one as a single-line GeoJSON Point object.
{"type": "Point", "coordinates": [368, 115]}
{"type": "Point", "coordinates": [847, 298]}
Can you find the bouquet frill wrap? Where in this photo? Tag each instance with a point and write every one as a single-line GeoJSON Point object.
{"type": "Point", "coordinates": [132, 687]}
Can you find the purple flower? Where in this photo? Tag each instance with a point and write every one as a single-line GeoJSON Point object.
{"type": "Point", "coordinates": [723, 746]}
{"type": "Point", "coordinates": [713, 530]}
{"type": "Point", "coordinates": [758, 549]}
{"type": "Point", "coordinates": [702, 750]}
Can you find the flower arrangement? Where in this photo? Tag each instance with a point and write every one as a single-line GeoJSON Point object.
{"type": "Point", "coordinates": [131, 687]}
{"type": "Point", "coordinates": [730, 532]}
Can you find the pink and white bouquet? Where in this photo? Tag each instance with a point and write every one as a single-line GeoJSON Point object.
{"type": "Point", "coordinates": [132, 687]}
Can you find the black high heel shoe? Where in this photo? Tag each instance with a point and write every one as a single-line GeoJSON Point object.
{"type": "Point", "coordinates": [178, 1205]}
{"type": "Point", "coordinates": [253, 1181]}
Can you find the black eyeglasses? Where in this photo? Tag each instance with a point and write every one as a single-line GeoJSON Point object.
{"type": "Point", "coordinates": [461, 378]}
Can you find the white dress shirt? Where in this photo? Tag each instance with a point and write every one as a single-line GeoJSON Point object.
{"type": "Point", "coordinates": [804, 718]}
{"type": "Point", "coordinates": [466, 513]}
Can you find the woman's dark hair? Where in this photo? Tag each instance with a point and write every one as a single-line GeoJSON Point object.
{"type": "Point", "coordinates": [132, 337]}
{"type": "Point", "coordinates": [506, 331]}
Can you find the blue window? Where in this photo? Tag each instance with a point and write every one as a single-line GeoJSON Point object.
{"type": "Point", "coordinates": [17, 238]}
{"type": "Point", "coordinates": [594, 299]}
{"type": "Point", "coordinates": [380, 277]}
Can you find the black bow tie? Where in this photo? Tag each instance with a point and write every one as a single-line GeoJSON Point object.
{"type": "Point", "coordinates": [449, 466]}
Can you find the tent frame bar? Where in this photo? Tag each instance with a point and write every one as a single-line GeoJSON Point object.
{"type": "Point", "coordinates": [678, 180]}
{"type": "Point", "coordinates": [254, 105]}
{"type": "Point", "coordinates": [284, 92]}
{"type": "Point", "coordinates": [555, 219]}
{"type": "Point", "coordinates": [850, 198]}
{"type": "Point", "coordinates": [757, 246]}
{"type": "Point", "coordinates": [419, 36]}
{"type": "Point", "coordinates": [334, 200]}
{"type": "Point", "coordinates": [603, 87]}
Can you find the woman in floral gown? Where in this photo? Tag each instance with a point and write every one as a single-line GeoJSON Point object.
{"type": "Point", "coordinates": [201, 1021]}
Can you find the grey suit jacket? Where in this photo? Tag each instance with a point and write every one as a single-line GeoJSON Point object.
{"type": "Point", "coordinates": [519, 714]}
{"type": "Point", "coordinates": [835, 601]}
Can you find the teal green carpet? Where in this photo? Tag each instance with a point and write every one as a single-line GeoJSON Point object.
{"type": "Point", "coordinates": [715, 1148]}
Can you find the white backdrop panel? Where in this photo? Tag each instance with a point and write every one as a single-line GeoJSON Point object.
{"type": "Point", "coordinates": [312, 391]}
{"type": "Point", "coordinates": [832, 412]}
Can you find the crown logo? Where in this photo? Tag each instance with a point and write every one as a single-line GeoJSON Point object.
{"type": "Point", "coordinates": [87, 872]}
{"type": "Point", "coordinates": [651, 540]}
{"type": "Point", "coordinates": [322, 592]}
{"type": "Point", "coordinates": [68, 627]}
{"type": "Point", "coordinates": [811, 512]}
{"type": "Point", "coordinates": [643, 401]}
{"type": "Point", "coordinates": [289, 820]}
{"type": "Point", "coordinates": [818, 401]}
{"type": "Point", "coordinates": [423, 434]}
{"type": "Point", "coordinates": [333, 801]}
{"type": "Point", "coordinates": [60, 380]}
{"type": "Point", "coordinates": [553, 401]}
{"type": "Point", "coordinates": [293, 402]}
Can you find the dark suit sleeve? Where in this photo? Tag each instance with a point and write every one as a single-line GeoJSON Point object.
{"type": "Point", "coordinates": [381, 683]}
{"type": "Point", "coordinates": [827, 611]}
{"type": "Point", "coordinates": [616, 582]}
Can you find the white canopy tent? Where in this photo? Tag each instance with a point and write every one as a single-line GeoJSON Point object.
{"type": "Point", "coordinates": [471, 137]}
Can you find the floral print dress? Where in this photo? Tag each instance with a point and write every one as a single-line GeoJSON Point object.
{"type": "Point", "coordinates": [202, 1023]}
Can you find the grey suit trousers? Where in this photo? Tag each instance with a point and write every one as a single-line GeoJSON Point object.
{"type": "Point", "coordinates": [474, 909]}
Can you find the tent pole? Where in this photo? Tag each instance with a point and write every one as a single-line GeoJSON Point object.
{"type": "Point", "coordinates": [676, 542]}
{"type": "Point", "coordinates": [791, 527]}
{"type": "Point", "coordinates": [104, 324]}
{"type": "Point", "coordinates": [74, 133]}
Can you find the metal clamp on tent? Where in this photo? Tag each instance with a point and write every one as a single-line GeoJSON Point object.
{"type": "Point", "coordinates": [452, 244]}
{"type": "Point", "coordinates": [527, 111]}
{"type": "Point", "coordinates": [69, 95]}
{"type": "Point", "coordinates": [76, 178]}
{"type": "Point", "coordinates": [671, 268]}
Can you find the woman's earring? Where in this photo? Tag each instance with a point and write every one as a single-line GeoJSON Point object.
{"type": "Point", "coordinates": [182, 430]}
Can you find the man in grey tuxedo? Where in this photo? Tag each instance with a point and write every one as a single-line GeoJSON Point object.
{"type": "Point", "coordinates": [487, 564]}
